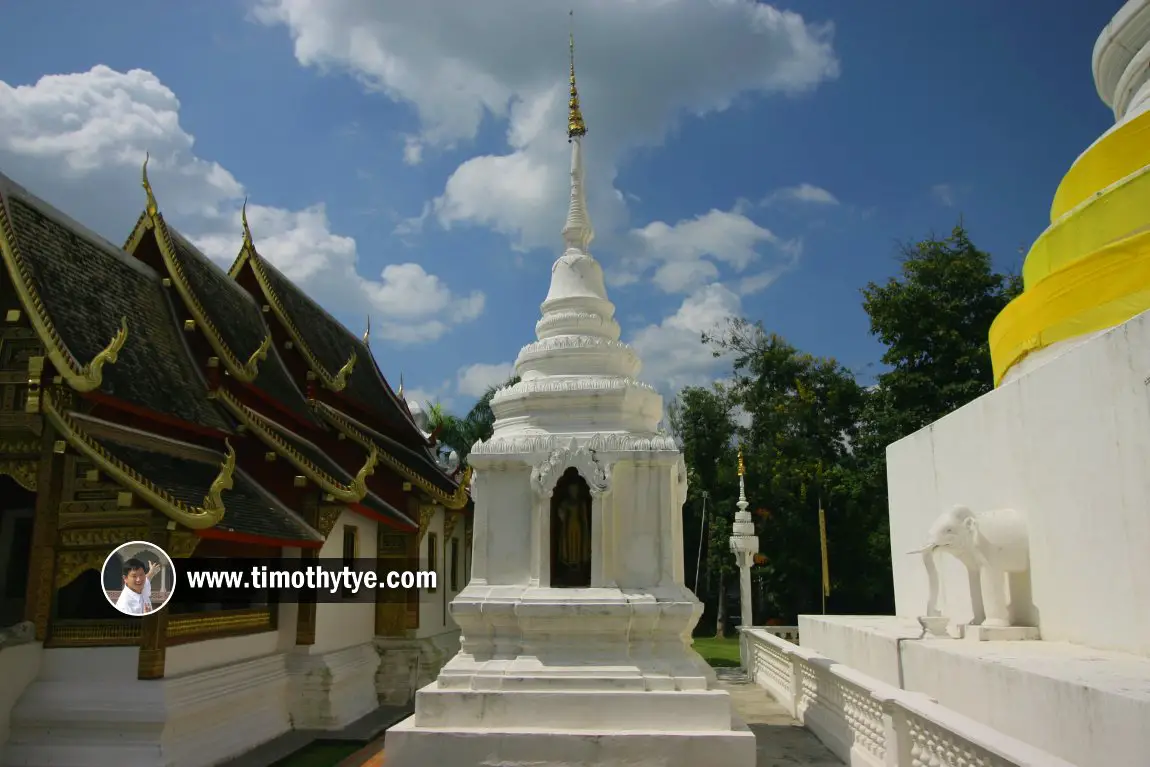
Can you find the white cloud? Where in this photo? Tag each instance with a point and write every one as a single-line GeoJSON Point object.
{"type": "Point", "coordinates": [475, 380]}
{"type": "Point", "coordinates": [412, 150]}
{"type": "Point", "coordinates": [672, 351]}
{"type": "Point", "coordinates": [808, 193]}
{"type": "Point", "coordinates": [78, 140]}
{"type": "Point", "coordinates": [679, 253]}
{"type": "Point", "coordinates": [944, 193]}
{"type": "Point", "coordinates": [641, 66]}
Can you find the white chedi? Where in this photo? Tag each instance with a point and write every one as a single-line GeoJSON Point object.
{"type": "Point", "coordinates": [576, 622]}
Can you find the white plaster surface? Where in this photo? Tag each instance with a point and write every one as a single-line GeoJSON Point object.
{"type": "Point", "coordinates": [1068, 444]}
{"type": "Point", "coordinates": [19, 665]}
{"type": "Point", "coordinates": [329, 691]}
{"type": "Point", "coordinates": [87, 707]}
{"type": "Point", "coordinates": [1099, 699]}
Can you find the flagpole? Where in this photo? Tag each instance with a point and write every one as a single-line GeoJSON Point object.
{"type": "Point", "coordinates": [826, 572]}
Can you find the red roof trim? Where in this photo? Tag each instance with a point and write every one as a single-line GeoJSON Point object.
{"type": "Point", "coordinates": [160, 418]}
{"type": "Point", "coordinates": [380, 518]}
{"type": "Point", "coordinates": [231, 535]}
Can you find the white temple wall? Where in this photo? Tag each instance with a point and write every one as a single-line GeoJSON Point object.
{"type": "Point", "coordinates": [1069, 445]}
{"type": "Point", "coordinates": [198, 656]}
{"type": "Point", "coordinates": [19, 665]}
{"type": "Point", "coordinates": [509, 504]}
{"type": "Point", "coordinates": [339, 626]}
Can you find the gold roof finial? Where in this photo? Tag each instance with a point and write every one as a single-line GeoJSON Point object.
{"type": "Point", "coordinates": [367, 333]}
{"type": "Point", "coordinates": [742, 468]}
{"type": "Point", "coordinates": [152, 207]}
{"type": "Point", "coordinates": [400, 392]}
{"type": "Point", "coordinates": [575, 124]}
{"type": "Point", "coordinates": [247, 229]}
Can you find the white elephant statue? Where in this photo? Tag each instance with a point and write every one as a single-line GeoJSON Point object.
{"type": "Point", "coordinates": [990, 544]}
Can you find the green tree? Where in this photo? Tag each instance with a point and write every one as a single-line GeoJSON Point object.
{"type": "Point", "coordinates": [804, 413]}
{"type": "Point", "coordinates": [460, 434]}
{"type": "Point", "coordinates": [703, 422]}
{"type": "Point", "coordinates": [934, 318]}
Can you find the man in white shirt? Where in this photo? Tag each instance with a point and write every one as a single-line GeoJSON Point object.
{"type": "Point", "coordinates": [136, 598]}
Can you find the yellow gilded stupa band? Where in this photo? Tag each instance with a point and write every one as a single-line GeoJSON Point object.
{"type": "Point", "coordinates": [1090, 271]}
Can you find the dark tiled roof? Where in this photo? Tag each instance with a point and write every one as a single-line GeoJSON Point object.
{"type": "Point", "coordinates": [383, 508]}
{"type": "Point", "coordinates": [239, 321]}
{"type": "Point", "coordinates": [249, 508]}
{"type": "Point", "coordinates": [418, 460]}
{"type": "Point", "coordinates": [87, 285]}
{"type": "Point", "coordinates": [326, 464]}
{"type": "Point", "coordinates": [333, 344]}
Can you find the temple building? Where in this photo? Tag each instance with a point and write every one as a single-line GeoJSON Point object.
{"type": "Point", "coordinates": [148, 395]}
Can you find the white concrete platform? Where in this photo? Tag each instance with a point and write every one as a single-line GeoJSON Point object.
{"type": "Point", "coordinates": [547, 747]}
{"type": "Point", "coordinates": [1089, 707]}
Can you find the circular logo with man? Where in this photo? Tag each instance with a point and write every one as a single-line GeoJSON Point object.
{"type": "Point", "coordinates": [138, 578]}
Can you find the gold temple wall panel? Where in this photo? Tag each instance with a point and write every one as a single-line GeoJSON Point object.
{"type": "Point", "coordinates": [180, 629]}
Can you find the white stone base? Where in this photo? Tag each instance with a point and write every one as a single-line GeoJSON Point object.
{"type": "Point", "coordinates": [331, 690]}
{"type": "Point", "coordinates": [406, 665]}
{"type": "Point", "coordinates": [1100, 700]}
{"type": "Point", "coordinates": [1000, 633]}
{"type": "Point", "coordinates": [87, 708]}
{"type": "Point", "coordinates": [409, 746]}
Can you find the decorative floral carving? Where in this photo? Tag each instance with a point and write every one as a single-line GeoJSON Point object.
{"type": "Point", "coordinates": [69, 564]}
{"type": "Point", "coordinates": [182, 543]}
{"type": "Point", "coordinates": [101, 537]}
{"type": "Point", "coordinates": [328, 515]}
{"type": "Point", "coordinates": [425, 515]}
{"type": "Point", "coordinates": [600, 443]}
{"type": "Point", "coordinates": [574, 342]}
{"type": "Point", "coordinates": [24, 472]}
{"type": "Point", "coordinates": [544, 475]}
{"type": "Point", "coordinates": [576, 383]}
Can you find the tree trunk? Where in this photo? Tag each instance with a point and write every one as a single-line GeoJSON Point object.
{"type": "Point", "coordinates": [721, 609]}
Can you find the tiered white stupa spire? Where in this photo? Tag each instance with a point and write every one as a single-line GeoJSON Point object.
{"type": "Point", "coordinates": [577, 378]}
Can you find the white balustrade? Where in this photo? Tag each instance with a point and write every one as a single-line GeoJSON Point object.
{"type": "Point", "coordinates": [868, 723]}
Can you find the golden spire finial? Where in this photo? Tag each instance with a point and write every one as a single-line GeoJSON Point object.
{"type": "Point", "coordinates": [247, 229]}
{"type": "Point", "coordinates": [575, 124]}
{"type": "Point", "coordinates": [742, 468]}
{"type": "Point", "coordinates": [400, 392]}
{"type": "Point", "coordinates": [152, 207]}
{"type": "Point", "coordinates": [367, 333]}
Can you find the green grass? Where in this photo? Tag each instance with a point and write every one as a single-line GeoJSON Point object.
{"type": "Point", "coordinates": [719, 652]}
{"type": "Point", "coordinates": [320, 754]}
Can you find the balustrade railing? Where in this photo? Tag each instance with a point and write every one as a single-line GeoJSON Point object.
{"type": "Point", "coordinates": [866, 722]}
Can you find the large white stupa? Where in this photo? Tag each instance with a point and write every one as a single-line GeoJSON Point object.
{"type": "Point", "coordinates": [576, 646]}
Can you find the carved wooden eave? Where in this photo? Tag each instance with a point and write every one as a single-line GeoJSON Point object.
{"type": "Point", "coordinates": [337, 381]}
{"type": "Point", "coordinates": [426, 513]}
{"type": "Point", "coordinates": [151, 220]}
{"type": "Point", "coordinates": [449, 523]}
{"type": "Point", "coordinates": [269, 434]}
{"type": "Point", "coordinates": [81, 377]}
{"type": "Point", "coordinates": [210, 511]}
{"type": "Point", "coordinates": [452, 501]}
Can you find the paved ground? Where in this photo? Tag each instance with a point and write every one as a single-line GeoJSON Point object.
{"type": "Point", "coordinates": [780, 740]}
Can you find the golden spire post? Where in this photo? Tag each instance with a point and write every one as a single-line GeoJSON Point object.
{"type": "Point", "coordinates": [577, 231]}
{"type": "Point", "coordinates": [575, 124]}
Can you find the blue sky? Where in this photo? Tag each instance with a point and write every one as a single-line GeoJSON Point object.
{"type": "Point", "coordinates": [409, 162]}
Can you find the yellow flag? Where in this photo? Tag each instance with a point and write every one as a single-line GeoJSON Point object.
{"type": "Point", "coordinates": [823, 543]}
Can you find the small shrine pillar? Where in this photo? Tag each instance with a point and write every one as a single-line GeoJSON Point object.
{"type": "Point", "coordinates": [744, 545]}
